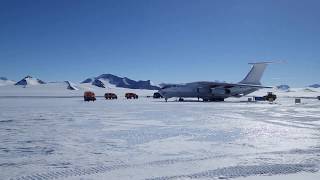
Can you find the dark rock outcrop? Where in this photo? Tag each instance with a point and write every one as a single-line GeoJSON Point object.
{"type": "Point", "coordinates": [28, 80]}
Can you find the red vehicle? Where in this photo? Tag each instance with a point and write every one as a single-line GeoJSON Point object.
{"type": "Point", "coordinates": [89, 96]}
{"type": "Point", "coordinates": [131, 96]}
{"type": "Point", "coordinates": [110, 96]}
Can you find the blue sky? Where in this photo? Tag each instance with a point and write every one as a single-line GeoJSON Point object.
{"type": "Point", "coordinates": [164, 40]}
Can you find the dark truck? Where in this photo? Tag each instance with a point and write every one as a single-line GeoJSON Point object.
{"type": "Point", "coordinates": [89, 96]}
{"type": "Point", "coordinates": [131, 96]}
{"type": "Point", "coordinates": [269, 97]}
{"type": "Point", "coordinates": [110, 96]}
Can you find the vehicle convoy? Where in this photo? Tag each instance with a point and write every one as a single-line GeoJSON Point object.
{"type": "Point", "coordinates": [131, 96]}
{"type": "Point", "coordinates": [110, 96]}
{"type": "Point", "coordinates": [217, 91]}
{"type": "Point", "coordinates": [89, 96]}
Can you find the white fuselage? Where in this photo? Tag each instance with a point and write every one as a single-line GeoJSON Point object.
{"type": "Point", "coordinates": [194, 90]}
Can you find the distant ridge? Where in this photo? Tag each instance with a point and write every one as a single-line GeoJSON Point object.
{"type": "Point", "coordinates": [315, 86]}
{"type": "Point", "coordinates": [124, 82]}
{"type": "Point", "coordinates": [283, 87]}
{"type": "Point", "coordinates": [28, 80]}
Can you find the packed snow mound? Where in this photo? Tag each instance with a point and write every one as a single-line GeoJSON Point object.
{"type": "Point", "coordinates": [5, 81]}
{"type": "Point", "coordinates": [122, 82]}
{"type": "Point", "coordinates": [28, 80]}
{"type": "Point", "coordinates": [283, 87]}
{"type": "Point", "coordinates": [309, 90]}
{"type": "Point", "coordinates": [315, 86]}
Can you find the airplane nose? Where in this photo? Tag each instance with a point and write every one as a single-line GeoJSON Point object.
{"type": "Point", "coordinates": [160, 92]}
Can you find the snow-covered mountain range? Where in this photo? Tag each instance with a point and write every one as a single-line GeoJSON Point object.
{"type": "Point", "coordinates": [31, 86]}
{"type": "Point", "coordinates": [102, 81]}
{"type": "Point", "coordinates": [106, 80]}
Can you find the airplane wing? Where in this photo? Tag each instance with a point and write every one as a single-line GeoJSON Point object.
{"type": "Point", "coordinates": [229, 85]}
{"type": "Point", "coordinates": [230, 89]}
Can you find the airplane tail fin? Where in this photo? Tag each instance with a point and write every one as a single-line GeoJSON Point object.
{"type": "Point", "coordinates": [255, 74]}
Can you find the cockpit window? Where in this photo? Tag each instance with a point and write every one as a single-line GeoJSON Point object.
{"type": "Point", "coordinates": [166, 86]}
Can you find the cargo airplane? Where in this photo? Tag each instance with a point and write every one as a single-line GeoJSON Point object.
{"type": "Point", "coordinates": [217, 91]}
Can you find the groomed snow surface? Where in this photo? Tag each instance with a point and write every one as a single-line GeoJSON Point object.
{"type": "Point", "coordinates": [67, 138]}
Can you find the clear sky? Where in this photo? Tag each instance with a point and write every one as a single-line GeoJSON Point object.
{"type": "Point", "coordinates": [161, 40]}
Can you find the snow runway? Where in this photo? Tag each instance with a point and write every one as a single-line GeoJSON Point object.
{"type": "Point", "coordinates": [66, 138]}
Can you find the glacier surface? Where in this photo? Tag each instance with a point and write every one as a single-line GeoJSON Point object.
{"type": "Point", "coordinates": [66, 138]}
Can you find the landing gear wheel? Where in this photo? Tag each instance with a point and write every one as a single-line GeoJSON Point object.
{"type": "Point", "coordinates": [217, 99]}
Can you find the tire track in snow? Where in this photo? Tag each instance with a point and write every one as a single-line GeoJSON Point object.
{"type": "Point", "coordinates": [244, 171]}
{"type": "Point", "coordinates": [71, 173]}
{"type": "Point", "coordinates": [227, 172]}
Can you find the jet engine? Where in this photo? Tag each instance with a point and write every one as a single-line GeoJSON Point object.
{"type": "Point", "coordinates": [220, 91]}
